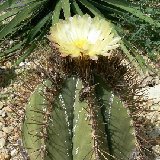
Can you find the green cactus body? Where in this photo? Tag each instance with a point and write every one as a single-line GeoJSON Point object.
{"type": "Point", "coordinates": [32, 130]}
{"type": "Point", "coordinates": [82, 130]}
{"type": "Point", "coordinates": [120, 133]}
{"type": "Point", "coordinates": [88, 129]}
{"type": "Point", "coordinates": [123, 139]}
{"type": "Point", "coordinates": [59, 132]}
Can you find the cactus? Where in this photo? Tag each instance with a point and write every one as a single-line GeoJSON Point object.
{"type": "Point", "coordinates": [82, 139]}
{"type": "Point", "coordinates": [71, 132]}
{"type": "Point", "coordinates": [33, 124]}
{"type": "Point", "coordinates": [82, 119]}
{"type": "Point", "coordinates": [59, 141]}
{"type": "Point", "coordinates": [120, 132]}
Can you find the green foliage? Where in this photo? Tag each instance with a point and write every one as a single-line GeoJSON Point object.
{"type": "Point", "coordinates": [24, 26]}
{"type": "Point", "coordinates": [66, 8]}
{"type": "Point", "coordinates": [136, 21]}
{"type": "Point", "coordinates": [91, 8]}
{"type": "Point", "coordinates": [144, 37]}
{"type": "Point", "coordinates": [76, 8]}
{"type": "Point", "coordinates": [56, 12]}
{"type": "Point", "coordinates": [21, 16]}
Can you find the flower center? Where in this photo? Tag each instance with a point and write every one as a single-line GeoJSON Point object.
{"type": "Point", "coordinates": [80, 43]}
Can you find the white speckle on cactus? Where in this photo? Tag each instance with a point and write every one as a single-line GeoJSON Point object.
{"type": "Point", "coordinates": [44, 109]}
{"type": "Point", "coordinates": [86, 118]}
{"type": "Point", "coordinates": [110, 104]}
{"type": "Point", "coordinates": [77, 149]}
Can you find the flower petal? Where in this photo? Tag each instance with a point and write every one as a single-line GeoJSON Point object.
{"type": "Point", "coordinates": [83, 35]}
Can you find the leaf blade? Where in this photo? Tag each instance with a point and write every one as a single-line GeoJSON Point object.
{"type": "Point", "coordinates": [38, 27]}
{"type": "Point", "coordinates": [56, 12]}
{"type": "Point", "coordinates": [66, 8]}
{"type": "Point", "coordinates": [76, 8]}
{"type": "Point", "coordinates": [5, 5]}
{"type": "Point", "coordinates": [24, 14]}
{"type": "Point", "coordinates": [91, 7]}
{"type": "Point", "coordinates": [133, 10]}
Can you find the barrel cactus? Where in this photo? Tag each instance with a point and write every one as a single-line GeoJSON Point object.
{"type": "Point", "coordinates": [88, 105]}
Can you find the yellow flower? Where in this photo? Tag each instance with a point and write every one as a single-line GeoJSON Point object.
{"type": "Point", "coordinates": [83, 36]}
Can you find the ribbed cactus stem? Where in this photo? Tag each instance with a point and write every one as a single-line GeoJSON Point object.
{"type": "Point", "coordinates": [33, 131]}
{"type": "Point", "coordinates": [82, 130]}
{"type": "Point", "coordinates": [59, 130]}
{"type": "Point", "coordinates": [98, 128]}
